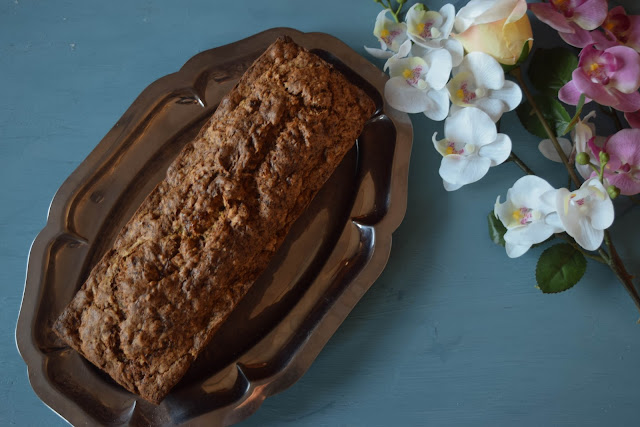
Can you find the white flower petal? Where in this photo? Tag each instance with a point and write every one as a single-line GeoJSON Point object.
{"type": "Point", "coordinates": [379, 53]}
{"type": "Point", "coordinates": [482, 12]}
{"type": "Point", "coordinates": [493, 107]}
{"type": "Point", "coordinates": [548, 150]}
{"type": "Point", "coordinates": [438, 107]}
{"type": "Point", "coordinates": [510, 94]}
{"type": "Point", "coordinates": [448, 12]}
{"type": "Point", "coordinates": [528, 191]}
{"type": "Point", "coordinates": [404, 97]}
{"type": "Point", "coordinates": [536, 232]}
{"type": "Point", "coordinates": [514, 250]}
{"type": "Point", "coordinates": [553, 219]}
{"type": "Point", "coordinates": [602, 213]}
{"type": "Point", "coordinates": [498, 151]}
{"type": "Point", "coordinates": [486, 70]}
{"type": "Point", "coordinates": [454, 47]}
{"type": "Point", "coordinates": [451, 187]}
{"type": "Point", "coordinates": [470, 126]}
{"type": "Point", "coordinates": [585, 235]}
{"type": "Point", "coordinates": [439, 63]}
{"type": "Point", "coordinates": [459, 169]}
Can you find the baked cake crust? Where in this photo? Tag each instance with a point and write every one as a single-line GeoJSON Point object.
{"type": "Point", "coordinates": [208, 230]}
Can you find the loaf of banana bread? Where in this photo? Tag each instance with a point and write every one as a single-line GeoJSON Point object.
{"type": "Point", "coordinates": [208, 230]}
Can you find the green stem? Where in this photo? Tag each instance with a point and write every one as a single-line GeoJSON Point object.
{"type": "Point", "coordinates": [616, 264]}
{"type": "Point", "coordinates": [517, 72]}
{"type": "Point", "coordinates": [568, 239]}
{"type": "Point", "coordinates": [515, 159]}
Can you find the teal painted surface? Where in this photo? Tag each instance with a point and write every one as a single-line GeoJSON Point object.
{"type": "Point", "coordinates": [453, 332]}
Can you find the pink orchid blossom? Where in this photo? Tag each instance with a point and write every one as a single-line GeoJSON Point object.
{"type": "Point", "coordinates": [567, 15]}
{"type": "Point", "coordinates": [623, 169]}
{"type": "Point", "coordinates": [633, 118]}
{"type": "Point", "coordinates": [617, 29]}
{"type": "Point", "coordinates": [610, 77]}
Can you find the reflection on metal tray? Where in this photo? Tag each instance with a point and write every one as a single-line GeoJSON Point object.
{"type": "Point", "coordinates": [332, 255]}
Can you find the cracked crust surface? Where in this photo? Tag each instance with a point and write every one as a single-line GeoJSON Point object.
{"type": "Point", "coordinates": [208, 230]}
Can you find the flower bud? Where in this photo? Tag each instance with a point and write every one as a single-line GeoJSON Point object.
{"type": "Point", "coordinates": [583, 159]}
{"type": "Point", "coordinates": [604, 158]}
{"type": "Point", "coordinates": [503, 38]}
{"type": "Point", "coordinates": [613, 191]}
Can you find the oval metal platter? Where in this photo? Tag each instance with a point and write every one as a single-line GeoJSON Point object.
{"type": "Point", "coordinates": [331, 257]}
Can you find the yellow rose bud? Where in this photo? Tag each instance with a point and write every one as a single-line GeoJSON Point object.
{"type": "Point", "coordinates": [501, 39]}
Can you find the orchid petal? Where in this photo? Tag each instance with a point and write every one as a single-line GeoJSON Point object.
{"type": "Point", "coordinates": [471, 126]}
{"type": "Point", "coordinates": [602, 213]}
{"type": "Point", "coordinates": [404, 97]}
{"type": "Point", "coordinates": [549, 151]}
{"type": "Point", "coordinates": [536, 232]}
{"type": "Point", "coordinates": [579, 37]}
{"type": "Point", "coordinates": [439, 63]}
{"type": "Point", "coordinates": [570, 94]}
{"type": "Point", "coordinates": [627, 78]}
{"type": "Point", "coordinates": [510, 94]}
{"type": "Point", "coordinates": [590, 14]}
{"type": "Point", "coordinates": [459, 169]}
{"type": "Point", "coordinates": [627, 183]}
{"type": "Point", "coordinates": [454, 47]}
{"type": "Point", "coordinates": [514, 250]}
{"type": "Point", "coordinates": [547, 14]}
{"type": "Point", "coordinates": [438, 107]}
{"type": "Point", "coordinates": [486, 70]}
{"type": "Point", "coordinates": [451, 187]}
{"type": "Point", "coordinates": [498, 151]}
{"type": "Point", "coordinates": [493, 107]}
{"type": "Point", "coordinates": [379, 53]}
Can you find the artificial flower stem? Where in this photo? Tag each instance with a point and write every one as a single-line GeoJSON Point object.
{"type": "Point", "coordinates": [517, 72]}
{"type": "Point", "coordinates": [515, 159]}
{"type": "Point", "coordinates": [616, 264]}
{"type": "Point", "coordinates": [568, 239]}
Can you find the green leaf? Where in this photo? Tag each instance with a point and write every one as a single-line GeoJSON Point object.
{"type": "Point", "coordinates": [559, 268]}
{"type": "Point", "coordinates": [524, 53]}
{"type": "Point", "coordinates": [553, 112]}
{"type": "Point", "coordinates": [496, 229]}
{"type": "Point", "coordinates": [551, 69]}
{"type": "Point", "coordinates": [576, 117]}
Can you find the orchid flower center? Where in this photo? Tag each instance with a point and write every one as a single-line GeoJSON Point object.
{"type": "Point", "coordinates": [597, 72]}
{"type": "Point", "coordinates": [412, 75]}
{"type": "Point", "coordinates": [388, 36]}
{"type": "Point", "coordinates": [459, 148]}
{"type": "Point", "coordinates": [427, 30]}
{"type": "Point", "coordinates": [464, 94]}
{"type": "Point", "coordinates": [581, 199]}
{"type": "Point", "coordinates": [523, 215]}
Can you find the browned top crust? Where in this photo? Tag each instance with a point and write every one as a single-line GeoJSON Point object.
{"type": "Point", "coordinates": [205, 233]}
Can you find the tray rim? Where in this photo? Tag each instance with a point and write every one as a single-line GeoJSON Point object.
{"type": "Point", "coordinates": [301, 360]}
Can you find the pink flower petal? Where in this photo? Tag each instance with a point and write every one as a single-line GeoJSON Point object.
{"type": "Point", "coordinates": [633, 118]}
{"type": "Point", "coordinates": [628, 183]}
{"type": "Point", "coordinates": [604, 40]}
{"type": "Point", "coordinates": [633, 36]}
{"type": "Point", "coordinates": [547, 14]}
{"type": "Point", "coordinates": [627, 77]}
{"type": "Point", "coordinates": [625, 145]}
{"type": "Point", "coordinates": [595, 91]}
{"type": "Point", "coordinates": [590, 14]}
{"type": "Point", "coordinates": [570, 94]}
{"type": "Point", "coordinates": [579, 38]}
{"type": "Point", "coordinates": [626, 102]}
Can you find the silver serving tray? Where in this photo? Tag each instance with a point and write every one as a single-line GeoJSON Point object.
{"type": "Point", "coordinates": [331, 257]}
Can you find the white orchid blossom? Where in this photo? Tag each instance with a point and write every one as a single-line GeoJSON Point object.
{"type": "Point", "coordinates": [431, 30]}
{"type": "Point", "coordinates": [581, 135]}
{"type": "Point", "coordinates": [417, 84]}
{"type": "Point", "coordinates": [470, 147]}
{"type": "Point", "coordinates": [390, 34]}
{"type": "Point", "coordinates": [586, 213]}
{"type": "Point", "coordinates": [529, 214]}
{"type": "Point", "coordinates": [479, 82]}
